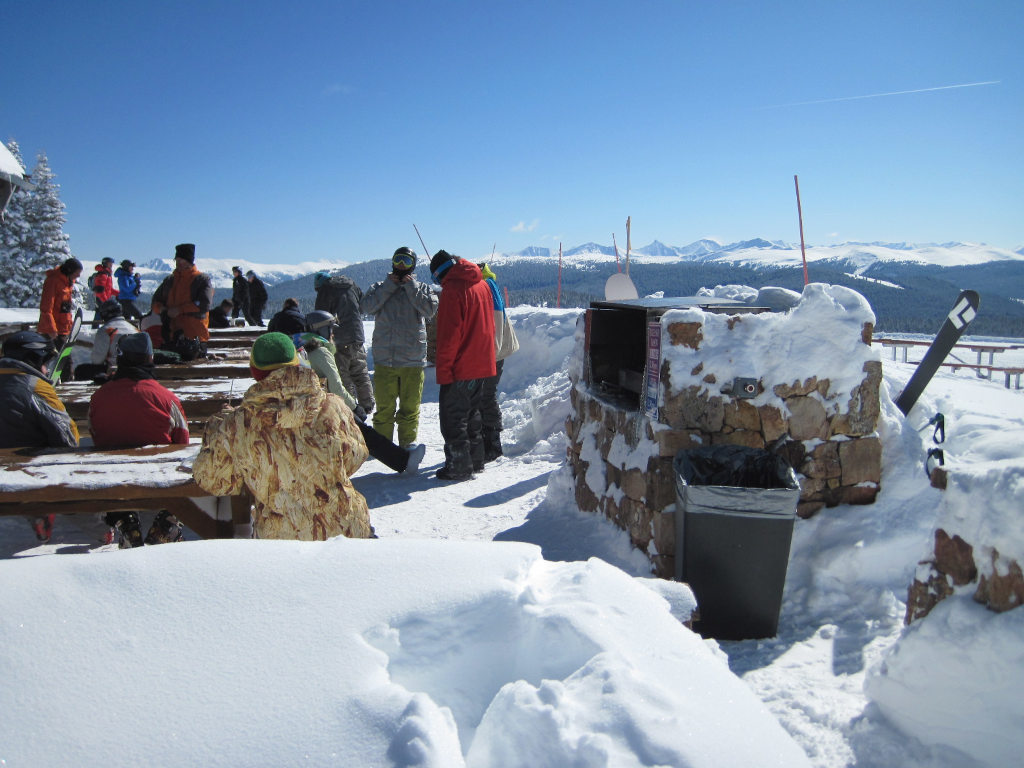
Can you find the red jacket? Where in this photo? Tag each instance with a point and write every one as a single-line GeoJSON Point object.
{"type": "Point", "coordinates": [126, 412]}
{"type": "Point", "coordinates": [103, 285]}
{"type": "Point", "coordinates": [465, 326]}
{"type": "Point", "coordinates": [55, 305]}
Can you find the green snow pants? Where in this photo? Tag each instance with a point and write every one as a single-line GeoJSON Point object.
{"type": "Point", "coordinates": [398, 392]}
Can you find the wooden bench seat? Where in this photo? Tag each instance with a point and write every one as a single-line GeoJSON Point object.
{"type": "Point", "coordinates": [36, 481]}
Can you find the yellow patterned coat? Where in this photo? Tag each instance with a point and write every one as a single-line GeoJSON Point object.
{"type": "Point", "coordinates": [293, 446]}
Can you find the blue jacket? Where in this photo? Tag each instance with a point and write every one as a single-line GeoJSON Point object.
{"type": "Point", "coordinates": [128, 285]}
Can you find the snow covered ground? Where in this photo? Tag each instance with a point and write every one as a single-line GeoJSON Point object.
{"type": "Point", "coordinates": [494, 624]}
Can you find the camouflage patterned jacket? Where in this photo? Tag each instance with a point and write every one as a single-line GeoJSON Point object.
{"type": "Point", "coordinates": [294, 447]}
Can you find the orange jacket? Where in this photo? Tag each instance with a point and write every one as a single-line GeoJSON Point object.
{"type": "Point", "coordinates": [191, 292]}
{"type": "Point", "coordinates": [55, 305]}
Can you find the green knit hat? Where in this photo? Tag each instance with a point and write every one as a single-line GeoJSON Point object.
{"type": "Point", "coordinates": [272, 351]}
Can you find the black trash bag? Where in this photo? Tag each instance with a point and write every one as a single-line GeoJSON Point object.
{"type": "Point", "coordinates": [735, 465]}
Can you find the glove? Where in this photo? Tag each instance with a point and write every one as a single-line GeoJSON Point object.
{"type": "Point", "coordinates": [360, 413]}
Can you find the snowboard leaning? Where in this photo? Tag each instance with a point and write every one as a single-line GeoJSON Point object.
{"type": "Point", "coordinates": [960, 316]}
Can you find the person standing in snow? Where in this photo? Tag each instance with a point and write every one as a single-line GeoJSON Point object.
{"type": "Point", "coordinates": [315, 343]}
{"type": "Point", "coordinates": [57, 301]}
{"type": "Point", "coordinates": [104, 345]}
{"type": "Point", "coordinates": [401, 306]}
{"type": "Point", "coordinates": [133, 409]}
{"type": "Point", "coordinates": [129, 286]}
{"type": "Point", "coordinates": [102, 282]}
{"type": "Point", "coordinates": [465, 358]}
{"type": "Point", "coordinates": [33, 416]}
{"type": "Point", "coordinates": [239, 294]}
{"type": "Point", "coordinates": [292, 446]}
{"type": "Point", "coordinates": [505, 343]}
{"type": "Point", "coordinates": [184, 297]}
{"type": "Point", "coordinates": [340, 296]}
{"type": "Point", "coordinates": [257, 299]}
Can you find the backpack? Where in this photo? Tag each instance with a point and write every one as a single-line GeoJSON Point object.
{"type": "Point", "coordinates": [91, 282]}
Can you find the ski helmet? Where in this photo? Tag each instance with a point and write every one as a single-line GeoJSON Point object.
{"type": "Point", "coordinates": [318, 321]}
{"type": "Point", "coordinates": [29, 347]}
{"type": "Point", "coordinates": [404, 260]}
{"type": "Point", "coordinates": [110, 309]}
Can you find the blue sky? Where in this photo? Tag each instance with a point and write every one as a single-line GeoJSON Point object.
{"type": "Point", "coordinates": [282, 132]}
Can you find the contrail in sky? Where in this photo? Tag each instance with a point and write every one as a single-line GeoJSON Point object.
{"type": "Point", "coordinates": [879, 95]}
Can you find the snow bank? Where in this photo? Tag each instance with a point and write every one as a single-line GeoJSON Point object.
{"type": "Point", "coordinates": [384, 653]}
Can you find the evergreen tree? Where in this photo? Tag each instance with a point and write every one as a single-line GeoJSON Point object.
{"type": "Point", "coordinates": [33, 237]}
{"type": "Point", "coordinates": [13, 236]}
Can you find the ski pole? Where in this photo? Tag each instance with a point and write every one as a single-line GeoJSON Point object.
{"type": "Point", "coordinates": [425, 249]}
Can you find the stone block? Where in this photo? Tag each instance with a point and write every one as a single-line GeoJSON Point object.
{"type": "Point", "coordinates": [807, 509]}
{"type": "Point", "coordinates": [585, 498]}
{"type": "Point", "coordinates": [796, 389]}
{"type": "Point", "coordinates": [864, 407]}
{"type": "Point", "coordinates": [773, 423]}
{"type": "Point", "coordinates": [685, 334]}
{"type": "Point", "coordinates": [741, 414]}
{"type": "Point", "coordinates": [807, 420]}
{"type": "Point", "coordinates": [738, 437]}
{"type": "Point", "coordinates": [858, 494]}
{"type": "Point", "coordinates": [672, 441]}
{"type": "Point", "coordinates": [823, 461]}
{"type": "Point", "coordinates": [955, 558]}
{"type": "Point", "coordinates": [1001, 592]}
{"type": "Point", "coordinates": [861, 460]}
{"type": "Point", "coordinates": [634, 484]}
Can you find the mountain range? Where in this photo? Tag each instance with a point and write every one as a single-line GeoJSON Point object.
{"type": "Point", "coordinates": [909, 285]}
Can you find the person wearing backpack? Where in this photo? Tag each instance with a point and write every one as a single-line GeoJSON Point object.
{"type": "Point", "coordinates": [505, 343]}
{"type": "Point", "coordinates": [101, 283]}
{"type": "Point", "coordinates": [128, 287]}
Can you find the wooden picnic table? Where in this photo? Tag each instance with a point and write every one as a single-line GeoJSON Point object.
{"type": "Point", "coordinates": [36, 481]}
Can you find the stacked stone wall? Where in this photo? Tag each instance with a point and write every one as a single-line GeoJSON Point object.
{"type": "Point", "coordinates": [622, 460]}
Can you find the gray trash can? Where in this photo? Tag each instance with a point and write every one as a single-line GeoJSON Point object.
{"type": "Point", "coordinates": [734, 524]}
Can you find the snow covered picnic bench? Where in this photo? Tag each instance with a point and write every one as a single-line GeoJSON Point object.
{"type": "Point", "coordinates": [36, 481]}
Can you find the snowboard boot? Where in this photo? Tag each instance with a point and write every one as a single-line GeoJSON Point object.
{"type": "Point", "coordinates": [165, 529]}
{"type": "Point", "coordinates": [492, 446]}
{"type": "Point", "coordinates": [43, 527]}
{"type": "Point", "coordinates": [415, 457]}
{"type": "Point", "coordinates": [128, 529]}
{"type": "Point", "coordinates": [458, 465]}
{"type": "Point", "coordinates": [476, 452]}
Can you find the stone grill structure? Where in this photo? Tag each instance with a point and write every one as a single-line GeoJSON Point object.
{"type": "Point", "coordinates": [622, 459]}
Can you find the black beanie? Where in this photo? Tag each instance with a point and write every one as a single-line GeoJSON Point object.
{"type": "Point", "coordinates": [440, 264]}
{"type": "Point", "coordinates": [186, 251]}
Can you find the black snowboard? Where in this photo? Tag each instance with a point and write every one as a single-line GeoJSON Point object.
{"type": "Point", "coordinates": [963, 312]}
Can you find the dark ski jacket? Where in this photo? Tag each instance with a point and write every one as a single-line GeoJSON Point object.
{"type": "Point", "coordinates": [257, 294]}
{"type": "Point", "coordinates": [240, 292]}
{"type": "Point", "coordinates": [32, 415]}
{"type": "Point", "coordinates": [288, 321]}
{"type": "Point", "coordinates": [340, 296]}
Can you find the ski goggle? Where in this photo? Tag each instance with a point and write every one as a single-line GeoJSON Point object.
{"type": "Point", "coordinates": [403, 260]}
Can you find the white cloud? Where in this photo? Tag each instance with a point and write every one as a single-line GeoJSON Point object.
{"type": "Point", "coordinates": [522, 226]}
